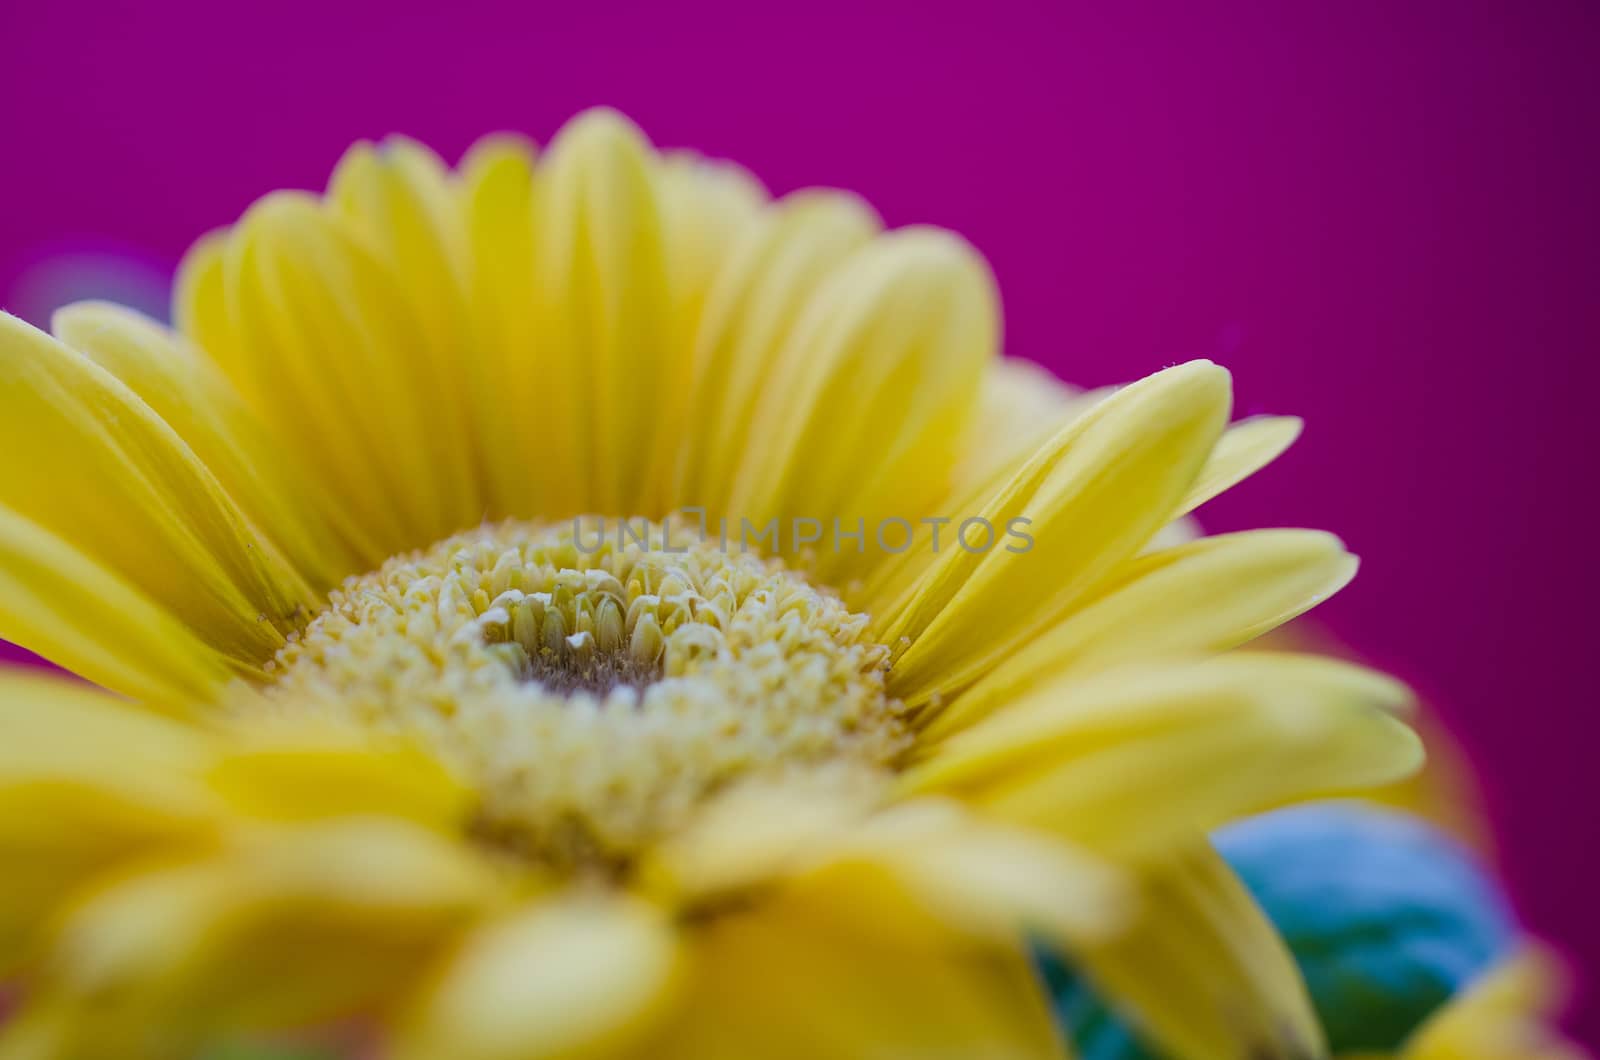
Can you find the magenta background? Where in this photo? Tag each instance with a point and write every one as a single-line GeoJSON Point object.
{"type": "Point", "coordinates": [1381, 215]}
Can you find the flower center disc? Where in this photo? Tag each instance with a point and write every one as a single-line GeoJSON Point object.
{"type": "Point", "coordinates": [595, 681]}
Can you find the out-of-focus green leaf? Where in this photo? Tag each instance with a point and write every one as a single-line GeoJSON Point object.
{"type": "Point", "coordinates": [1386, 917]}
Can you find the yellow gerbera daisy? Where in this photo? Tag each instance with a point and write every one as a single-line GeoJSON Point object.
{"type": "Point", "coordinates": [872, 656]}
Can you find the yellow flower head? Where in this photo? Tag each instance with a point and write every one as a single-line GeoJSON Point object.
{"type": "Point", "coordinates": [576, 605]}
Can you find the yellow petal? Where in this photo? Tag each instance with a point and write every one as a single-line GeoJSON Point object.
{"type": "Point", "coordinates": [1201, 971]}
{"type": "Point", "coordinates": [1245, 448]}
{"type": "Point", "coordinates": [982, 878]}
{"type": "Point", "coordinates": [199, 404]}
{"type": "Point", "coordinates": [985, 878]}
{"type": "Point", "coordinates": [318, 335]}
{"type": "Point", "coordinates": [498, 193]}
{"type": "Point", "coordinates": [582, 975]}
{"type": "Point", "coordinates": [292, 928]}
{"type": "Point", "coordinates": [301, 773]}
{"type": "Point", "coordinates": [1508, 1014]}
{"type": "Point", "coordinates": [1205, 596]}
{"type": "Point", "coordinates": [755, 302]}
{"type": "Point", "coordinates": [604, 307]}
{"type": "Point", "coordinates": [1128, 760]}
{"type": "Point", "coordinates": [61, 732]}
{"type": "Point", "coordinates": [1021, 408]}
{"type": "Point", "coordinates": [885, 361]}
{"type": "Point", "coordinates": [759, 831]}
{"type": "Point", "coordinates": [397, 198]}
{"type": "Point", "coordinates": [61, 604]}
{"type": "Point", "coordinates": [112, 478]}
{"type": "Point", "coordinates": [45, 1032]}
{"type": "Point", "coordinates": [200, 295]}
{"type": "Point", "coordinates": [707, 209]}
{"type": "Point", "coordinates": [1091, 498]}
{"type": "Point", "coordinates": [85, 779]}
{"type": "Point", "coordinates": [798, 979]}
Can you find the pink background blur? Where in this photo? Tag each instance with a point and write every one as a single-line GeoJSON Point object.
{"type": "Point", "coordinates": [1380, 215]}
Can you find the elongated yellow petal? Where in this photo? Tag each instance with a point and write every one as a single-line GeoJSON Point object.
{"type": "Point", "coordinates": [228, 304]}
{"type": "Point", "coordinates": [1021, 408]}
{"type": "Point", "coordinates": [397, 198]}
{"type": "Point", "coordinates": [63, 605]}
{"type": "Point", "coordinates": [604, 307]}
{"type": "Point", "coordinates": [301, 772]}
{"type": "Point", "coordinates": [754, 304]}
{"type": "Point", "coordinates": [708, 208]}
{"type": "Point", "coordinates": [1201, 971]}
{"type": "Point", "coordinates": [583, 975]}
{"type": "Point", "coordinates": [112, 478]}
{"type": "Point", "coordinates": [1508, 1014]}
{"type": "Point", "coordinates": [289, 928]}
{"type": "Point", "coordinates": [1091, 498]}
{"type": "Point", "coordinates": [985, 878]}
{"type": "Point", "coordinates": [1244, 448]}
{"type": "Point", "coordinates": [59, 731]}
{"type": "Point", "coordinates": [870, 979]}
{"type": "Point", "coordinates": [327, 346]}
{"type": "Point", "coordinates": [1131, 759]}
{"type": "Point", "coordinates": [1205, 596]}
{"type": "Point", "coordinates": [886, 361]}
{"type": "Point", "coordinates": [203, 305]}
{"type": "Point", "coordinates": [982, 878]}
{"type": "Point", "coordinates": [84, 780]}
{"type": "Point", "coordinates": [200, 295]}
{"type": "Point", "coordinates": [198, 402]}
{"type": "Point", "coordinates": [761, 831]}
{"type": "Point", "coordinates": [498, 193]}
